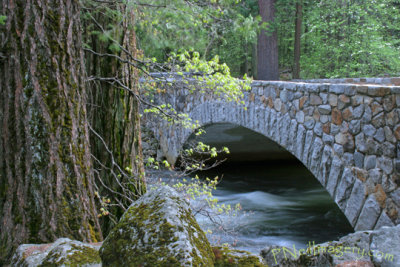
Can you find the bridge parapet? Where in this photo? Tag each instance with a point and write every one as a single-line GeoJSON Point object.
{"type": "Point", "coordinates": [347, 135]}
{"type": "Point", "coordinates": [389, 81]}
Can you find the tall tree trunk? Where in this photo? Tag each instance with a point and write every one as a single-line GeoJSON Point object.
{"type": "Point", "coordinates": [267, 54]}
{"type": "Point", "coordinates": [114, 112]}
{"type": "Point", "coordinates": [297, 35]}
{"type": "Point", "coordinates": [46, 178]}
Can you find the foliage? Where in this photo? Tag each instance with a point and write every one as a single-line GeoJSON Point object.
{"type": "Point", "coordinates": [205, 26]}
{"type": "Point", "coordinates": [356, 36]}
{"type": "Point", "coordinates": [350, 39]}
{"type": "Point", "coordinates": [3, 19]}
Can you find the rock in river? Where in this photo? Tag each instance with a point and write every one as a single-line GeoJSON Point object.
{"type": "Point", "coordinates": [157, 230]}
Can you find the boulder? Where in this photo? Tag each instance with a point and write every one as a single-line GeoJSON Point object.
{"type": "Point", "coordinates": [63, 252]}
{"type": "Point", "coordinates": [157, 230]}
{"type": "Point", "coordinates": [228, 257]}
{"type": "Point", "coordinates": [363, 248]}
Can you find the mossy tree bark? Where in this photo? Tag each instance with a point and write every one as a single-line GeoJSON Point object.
{"type": "Point", "coordinates": [46, 176]}
{"type": "Point", "coordinates": [114, 111]}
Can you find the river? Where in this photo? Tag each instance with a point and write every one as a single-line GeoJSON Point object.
{"type": "Point", "coordinates": [284, 205]}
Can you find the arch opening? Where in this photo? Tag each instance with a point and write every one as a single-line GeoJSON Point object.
{"type": "Point", "coordinates": [287, 205]}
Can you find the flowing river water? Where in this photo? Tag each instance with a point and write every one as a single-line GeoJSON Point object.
{"type": "Point", "coordinates": [284, 205]}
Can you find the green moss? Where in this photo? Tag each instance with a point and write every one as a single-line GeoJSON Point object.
{"type": "Point", "coordinates": [226, 257]}
{"type": "Point", "coordinates": [76, 256]}
{"type": "Point", "coordinates": [94, 235]}
{"type": "Point", "coordinates": [154, 240]}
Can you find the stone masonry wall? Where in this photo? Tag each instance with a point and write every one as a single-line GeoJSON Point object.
{"type": "Point", "coordinates": [347, 135]}
{"type": "Point", "coordinates": [389, 81]}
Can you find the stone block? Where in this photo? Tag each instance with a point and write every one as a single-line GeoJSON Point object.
{"type": "Point", "coordinates": [355, 202]}
{"type": "Point", "coordinates": [315, 100]}
{"type": "Point", "coordinates": [355, 127]}
{"type": "Point", "coordinates": [385, 164]}
{"type": "Point", "coordinates": [369, 214]}
{"type": "Point", "coordinates": [333, 100]}
{"type": "Point", "coordinates": [324, 109]}
{"type": "Point", "coordinates": [358, 112]}
{"type": "Point", "coordinates": [346, 140]}
{"type": "Point", "coordinates": [380, 135]}
{"type": "Point", "coordinates": [344, 188]}
{"type": "Point", "coordinates": [369, 130]}
{"type": "Point", "coordinates": [337, 117]}
{"type": "Point", "coordinates": [338, 149]}
{"type": "Point", "coordinates": [358, 159]}
{"type": "Point", "coordinates": [334, 174]}
{"type": "Point", "coordinates": [383, 220]}
{"type": "Point", "coordinates": [370, 162]}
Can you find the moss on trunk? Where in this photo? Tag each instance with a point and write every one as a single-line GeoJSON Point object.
{"type": "Point", "coordinates": [45, 167]}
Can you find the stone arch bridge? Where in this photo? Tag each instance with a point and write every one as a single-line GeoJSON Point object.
{"type": "Point", "coordinates": [346, 132]}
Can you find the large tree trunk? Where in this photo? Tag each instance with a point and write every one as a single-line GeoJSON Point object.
{"type": "Point", "coordinates": [114, 112]}
{"type": "Point", "coordinates": [297, 36]}
{"type": "Point", "coordinates": [267, 49]}
{"type": "Point", "coordinates": [46, 178]}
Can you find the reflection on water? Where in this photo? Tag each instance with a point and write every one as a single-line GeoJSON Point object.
{"type": "Point", "coordinates": [285, 205]}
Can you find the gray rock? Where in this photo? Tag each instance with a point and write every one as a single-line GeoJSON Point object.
{"type": "Point", "coordinates": [366, 118]}
{"type": "Point", "coordinates": [344, 188]}
{"type": "Point", "coordinates": [370, 162]}
{"type": "Point", "coordinates": [300, 116]}
{"type": "Point", "coordinates": [335, 129]}
{"type": "Point", "coordinates": [385, 246]}
{"type": "Point", "coordinates": [336, 170]}
{"type": "Point", "coordinates": [324, 97]}
{"type": "Point", "coordinates": [348, 159]}
{"type": "Point", "coordinates": [388, 184]}
{"type": "Point", "coordinates": [369, 130]}
{"type": "Point", "coordinates": [385, 164]}
{"type": "Point", "coordinates": [358, 159]}
{"type": "Point", "coordinates": [279, 256]}
{"type": "Point", "coordinates": [380, 135]}
{"type": "Point", "coordinates": [338, 149]}
{"type": "Point", "coordinates": [375, 175]}
{"type": "Point", "coordinates": [378, 120]}
{"type": "Point", "coordinates": [157, 230]}
{"type": "Point", "coordinates": [369, 214]}
{"type": "Point", "coordinates": [397, 165]}
{"type": "Point", "coordinates": [324, 118]}
{"type": "Point", "coordinates": [372, 147]}
{"type": "Point", "coordinates": [328, 139]}
{"type": "Point", "coordinates": [318, 129]}
{"type": "Point", "coordinates": [309, 122]}
{"type": "Point", "coordinates": [346, 140]}
{"type": "Point", "coordinates": [355, 202]}
{"type": "Point", "coordinates": [361, 145]}
{"type": "Point", "coordinates": [389, 150]}
{"type": "Point", "coordinates": [389, 134]}
{"type": "Point", "coordinates": [355, 127]}
{"type": "Point", "coordinates": [324, 109]}
{"type": "Point", "coordinates": [357, 100]}
{"type": "Point", "coordinates": [333, 100]}
{"type": "Point", "coordinates": [396, 196]}
{"type": "Point", "coordinates": [315, 100]}
{"type": "Point", "coordinates": [383, 220]}
{"type": "Point", "coordinates": [358, 112]}
{"type": "Point", "coordinates": [63, 252]}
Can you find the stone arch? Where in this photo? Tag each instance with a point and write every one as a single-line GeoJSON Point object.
{"type": "Point", "coordinates": [323, 126]}
{"type": "Point", "coordinates": [303, 144]}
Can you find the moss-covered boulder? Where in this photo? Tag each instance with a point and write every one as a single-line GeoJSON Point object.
{"type": "Point", "coordinates": [157, 230]}
{"type": "Point", "coordinates": [227, 257]}
{"type": "Point", "coordinates": [63, 252]}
